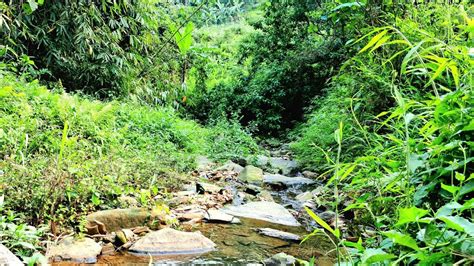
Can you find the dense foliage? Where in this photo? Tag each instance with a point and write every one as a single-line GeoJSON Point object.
{"type": "Point", "coordinates": [104, 48]}
{"type": "Point", "coordinates": [376, 96]}
{"type": "Point", "coordinates": [400, 162]}
{"type": "Point", "coordinates": [64, 155]}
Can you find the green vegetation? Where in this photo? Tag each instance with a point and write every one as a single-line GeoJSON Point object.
{"type": "Point", "coordinates": [64, 155]}
{"type": "Point", "coordinates": [100, 99]}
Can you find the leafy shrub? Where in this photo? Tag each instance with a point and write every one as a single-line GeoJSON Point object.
{"type": "Point", "coordinates": [417, 161]}
{"type": "Point", "coordinates": [65, 155]}
{"type": "Point", "coordinates": [98, 47]}
{"type": "Point", "coordinates": [279, 70]}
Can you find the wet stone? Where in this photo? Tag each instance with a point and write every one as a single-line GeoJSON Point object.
{"type": "Point", "coordinates": [265, 211]}
{"type": "Point", "coordinates": [8, 258]}
{"type": "Point", "coordinates": [252, 175]}
{"type": "Point", "coordinates": [217, 216]}
{"type": "Point", "coordinates": [277, 179]}
{"type": "Point", "coordinates": [168, 241]}
{"type": "Point", "coordinates": [117, 219]}
{"type": "Point", "coordinates": [278, 234]}
{"type": "Point", "coordinates": [76, 250]}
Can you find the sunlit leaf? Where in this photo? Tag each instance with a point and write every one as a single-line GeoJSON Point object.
{"type": "Point", "coordinates": [373, 41]}
{"type": "Point", "coordinates": [372, 256]}
{"type": "Point", "coordinates": [402, 239]}
{"type": "Point", "coordinates": [458, 223]}
{"type": "Point", "coordinates": [320, 221]}
{"type": "Point", "coordinates": [408, 215]}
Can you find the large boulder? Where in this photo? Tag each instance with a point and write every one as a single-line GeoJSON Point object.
{"type": "Point", "coordinates": [117, 219]}
{"type": "Point", "coordinates": [251, 174]}
{"type": "Point", "coordinates": [168, 241]}
{"type": "Point", "coordinates": [276, 179]}
{"type": "Point", "coordinates": [8, 258]}
{"type": "Point", "coordinates": [83, 250]}
{"type": "Point", "coordinates": [283, 165]}
{"type": "Point", "coordinates": [265, 211]}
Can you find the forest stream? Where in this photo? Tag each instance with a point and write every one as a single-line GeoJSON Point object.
{"type": "Point", "coordinates": [242, 242]}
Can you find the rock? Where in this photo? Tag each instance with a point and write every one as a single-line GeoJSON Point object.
{"type": "Point", "coordinates": [108, 249]}
{"type": "Point", "coordinates": [77, 250]}
{"type": "Point", "coordinates": [191, 214]}
{"type": "Point", "coordinates": [127, 201]}
{"type": "Point", "coordinates": [281, 259]}
{"type": "Point", "coordinates": [283, 166]}
{"type": "Point", "coordinates": [217, 216]}
{"type": "Point", "coordinates": [124, 236]}
{"type": "Point", "coordinates": [96, 228]}
{"type": "Point", "coordinates": [304, 197]}
{"type": "Point", "coordinates": [265, 211]}
{"type": "Point", "coordinates": [265, 196]}
{"type": "Point", "coordinates": [278, 234]}
{"type": "Point", "coordinates": [140, 230]}
{"type": "Point", "coordinates": [231, 166]}
{"type": "Point", "coordinates": [168, 241]}
{"type": "Point", "coordinates": [117, 219]}
{"type": "Point", "coordinates": [8, 258]}
{"type": "Point", "coordinates": [203, 163]}
{"type": "Point", "coordinates": [262, 160]}
{"type": "Point", "coordinates": [202, 187]}
{"type": "Point", "coordinates": [252, 189]}
{"type": "Point", "coordinates": [251, 174]}
{"type": "Point", "coordinates": [309, 174]}
{"type": "Point", "coordinates": [285, 180]}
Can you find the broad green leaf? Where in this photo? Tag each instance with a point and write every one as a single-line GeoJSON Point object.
{"type": "Point", "coordinates": [458, 223]}
{"type": "Point", "coordinates": [33, 5]}
{"type": "Point", "coordinates": [459, 176]}
{"type": "Point", "coordinates": [373, 41]}
{"type": "Point", "coordinates": [450, 189]}
{"type": "Point", "coordinates": [408, 215]}
{"type": "Point", "coordinates": [372, 255]}
{"type": "Point", "coordinates": [466, 206]}
{"type": "Point", "coordinates": [448, 209]}
{"type": "Point", "coordinates": [358, 245]}
{"type": "Point", "coordinates": [402, 239]}
{"type": "Point", "coordinates": [467, 188]}
{"type": "Point", "coordinates": [320, 221]}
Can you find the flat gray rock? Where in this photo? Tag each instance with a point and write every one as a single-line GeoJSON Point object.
{"type": "Point", "coordinates": [83, 250]}
{"type": "Point", "coordinates": [8, 258]}
{"type": "Point", "coordinates": [251, 174]}
{"type": "Point", "coordinates": [168, 241]}
{"type": "Point", "coordinates": [265, 211]}
{"type": "Point", "coordinates": [276, 179]}
{"type": "Point", "coordinates": [217, 216]}
{"type": "Point", "coordinates": [283, 165]}
{"type": "Point", "coordinates": [278, 234]}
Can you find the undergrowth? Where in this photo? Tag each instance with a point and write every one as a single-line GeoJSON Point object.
{"type": "Point", "coordinates": [64, 155]}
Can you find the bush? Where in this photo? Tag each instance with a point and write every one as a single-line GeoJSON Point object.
{"type": "Point", "coordinates": [64, 155]}
{"type": "Point", "coordinates": [102, 48]}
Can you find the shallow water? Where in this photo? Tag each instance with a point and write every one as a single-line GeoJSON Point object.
{"type": "Point", "coordinates": [237, 244]}
{"type": "Point", "coordinates": [240, 244]}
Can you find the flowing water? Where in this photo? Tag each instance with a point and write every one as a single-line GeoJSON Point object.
{"type": "Point", "coordinates": [240, 244]}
